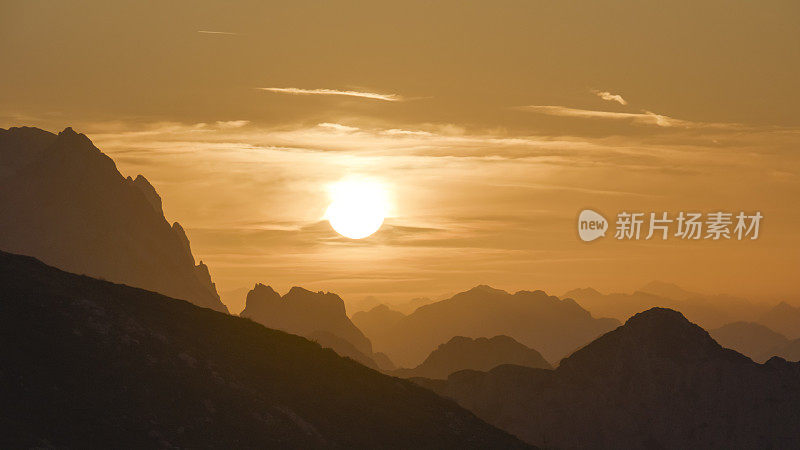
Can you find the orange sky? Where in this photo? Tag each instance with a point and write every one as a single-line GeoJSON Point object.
{"type": "Point", "coordinates": [492, 125]}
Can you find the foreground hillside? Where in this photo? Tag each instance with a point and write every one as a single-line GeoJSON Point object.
{"type": "Point", "coordinates": [659, 381]}
{"type": "Point", "coordinates": [87, 363]}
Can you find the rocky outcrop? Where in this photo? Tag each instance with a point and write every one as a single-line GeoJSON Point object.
{"type": "Point", "coordinates": [63, 201]}
{"type": "Point", "coordinates": [303, 312]}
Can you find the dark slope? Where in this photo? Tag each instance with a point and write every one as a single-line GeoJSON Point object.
{"type": "Point", "coordinates": [658, 381]}
{"type": "Point", "coordinates": [462, 353]}
{"type": "Point", "coordinates": [87, 363]}
{"type": "Point", "coordinates": [63, 201]}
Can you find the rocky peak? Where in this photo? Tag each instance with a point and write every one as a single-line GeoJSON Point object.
{"type": "Point", "coordinates": [149, 192]}
{"type": "Point", "coordinates": [180, 235]}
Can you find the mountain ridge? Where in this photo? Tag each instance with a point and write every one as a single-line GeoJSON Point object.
{"type": "Point", "coordinates": [640, 386]}
{"type": "Point", "coordinates": [90, 363]}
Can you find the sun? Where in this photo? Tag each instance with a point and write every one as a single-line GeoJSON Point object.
{"type": "Point", "coordinates": [358, 207]}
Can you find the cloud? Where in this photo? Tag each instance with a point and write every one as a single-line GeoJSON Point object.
{"type": "Point", "coordinates": [605, 95]}
{"type": "Point", "coordinates": [338, 127]}
{"type": "Point", "coordinates": [226, 33]}
{"type": "Point", "coordinates": [232, 123]}
{"type": "Point", "coordinates": [369, 95]}
{"type": "Point", "coordinates": [399, 132]}
{"type": "Point", "coordinates": [646, 117]}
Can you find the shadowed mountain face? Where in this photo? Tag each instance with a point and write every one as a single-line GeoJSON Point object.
{"type": "Point", "coordinates": [64, 202]}
{"type": "Point", "coordinates": [303, 312]}
{"type": "Point", "coordinates": [87, 363]}
{"type": "Point", "coordinates": [552, 326]}
{"type": "Point", "coordinates": [751, 339]}
{"type": "Point", "coordinates": [710, 311]}
{"type": "Point", "coordinates": [462, 353]}
{"type": "Point", "coordinates": [659, 381]}
{"type": "Point", "coordinates": [783, 318]}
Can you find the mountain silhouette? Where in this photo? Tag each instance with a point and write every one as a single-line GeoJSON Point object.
{"type": "Point", "coordinates": [552, 326]}
{"type": "Point", "coordinates": [462, 353]}
{"type": "Point", "coordinates": [316, 315]}
{"type": "Point", "coordinates": [751, 339]}
{"type": "Point", "coordinates": [710, 311]}
{"type": "Point", "coordinates": [783, 318]}
{"type": "Point", "coordinates": [377, 320]}
{"type": "Point", "coordinates": [86, 363]}
{"type": "Point", "coordinates": [410, 306]}
{"type": "Point", "coordinates": [659, 381]}
{"type": "Point", "coordinates": [668, 290]}
{"type": "Point", "coordinates": [63, 201]}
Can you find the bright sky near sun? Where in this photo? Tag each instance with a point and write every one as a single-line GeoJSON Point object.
{"type": "Point", "coordinates": [487, 127]}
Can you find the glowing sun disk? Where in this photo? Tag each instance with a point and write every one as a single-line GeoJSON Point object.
{"type": "Point", "coordinates": [358, 208]}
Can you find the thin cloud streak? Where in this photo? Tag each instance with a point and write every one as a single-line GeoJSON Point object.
{"type": "Point", "coordinates": [226, 33]}
{"type": "Point", "coordinates": [646, 117]}
{"type": "Point", "coordinates": [608, 96]}
{"type": "Point", "coordinates": [369, 95]}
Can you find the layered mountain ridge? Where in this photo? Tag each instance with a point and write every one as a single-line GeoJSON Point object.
{"type": "Point", "coordinates": [91, 364]}
{"type": "Point", "coordinates": [552, 326]}
{"type": "Point", "coordinates": [462, 353]}
{"type": "Point", "coordinates": [641, 386]}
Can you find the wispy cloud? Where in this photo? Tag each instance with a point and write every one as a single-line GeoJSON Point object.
{"type": "Point", "coordinates": [232, 123]}
{"type": "Point", "coordinates": [338, 127]}
{"type": "Point", "coordinates": [400, 132]}
{"type": "Point", "coordinates": [608, 96]}
{"type": "Point", "coordinates": [645, 117]}
{"type": "Point", "coordinates": [226, 33]}
{"type": "Point", "coordinates": [369, 95]}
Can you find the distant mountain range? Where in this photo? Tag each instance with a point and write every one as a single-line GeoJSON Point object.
{"type": "Point", "coordinates": [710, 311]}
{"type": "Point", "coordinates": [757, 341]}
{"type": "Point", "coordinates": [461, 353]}
{"type": "Point", "coordinates": [85, 363]}
{"type": "Point", "coordinates": [548, 324]}
{"type": "Point", "coordinates": [63, 201]}
{"type": "Point", "coordinates": [783, 318]}
{"type": "Point", "coordinates": [659, 381]}
{"type": "Point", "coordinates": [377, 320]}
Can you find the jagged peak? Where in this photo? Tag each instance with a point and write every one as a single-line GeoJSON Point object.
{"type": "Point", "coordinates": [261, 289]}
{"type": "Point", "coordinates": [297, 290]}
{"type": "Point", "coordinates": [183, 240]}
{"type": "Point", "coordinates": [149, 192]}
{"type": "Point", "coordinates": [71, 135]}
